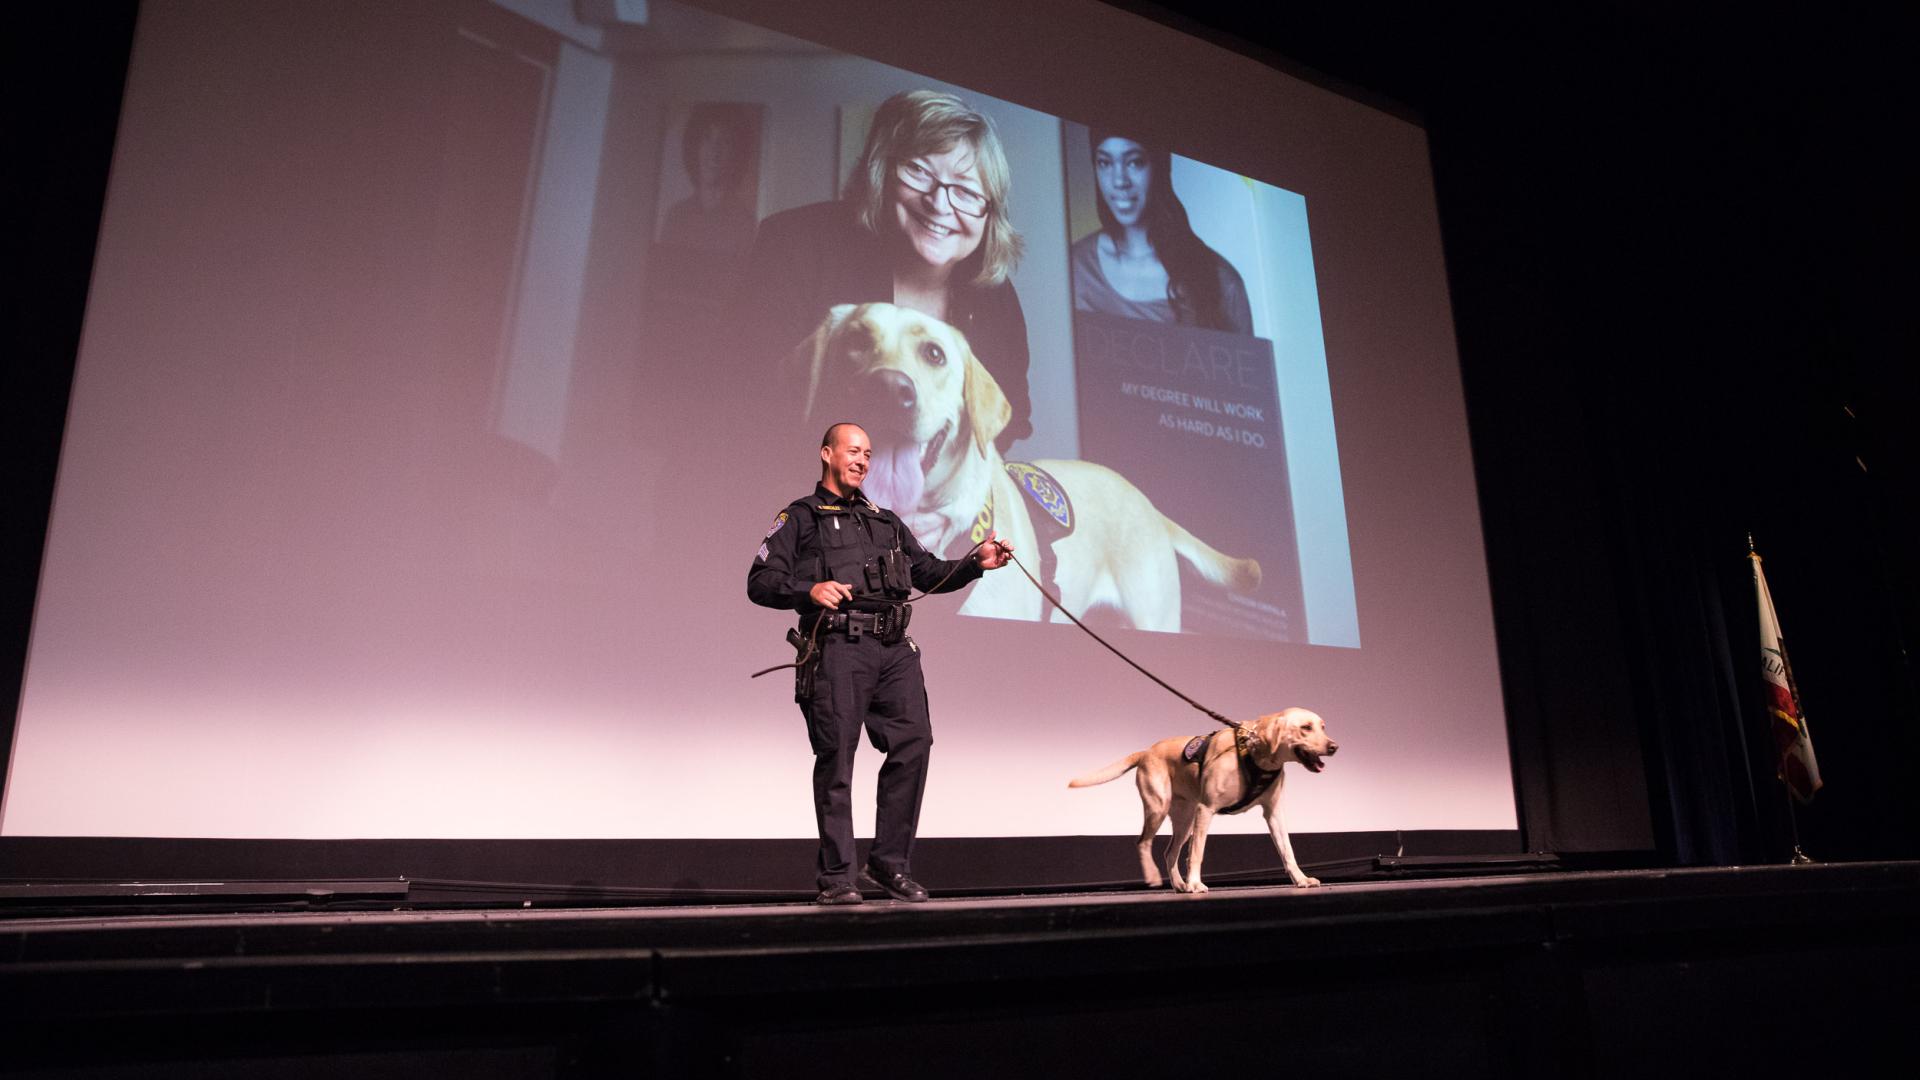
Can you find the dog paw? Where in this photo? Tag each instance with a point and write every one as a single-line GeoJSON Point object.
{"type": "Point", "coordinates": [1154, 881]}
{"type": "Point", "coordinates": [1196, 886]}
{"type": "Point", "coordinates": [1305, 882]}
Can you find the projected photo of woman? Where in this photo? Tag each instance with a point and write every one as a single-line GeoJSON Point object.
{"type": "Point", "coordinates": [718, 147]}
{"type": "Point", "coordinates": [922, 223]}
{"type": "Point", "coordinates": [708, 212]}
{"type": "Point", "coordinates": [1146, 262]}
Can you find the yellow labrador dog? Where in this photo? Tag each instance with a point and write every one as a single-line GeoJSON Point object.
{"type": "Point", "coordinates": [933, 413]}
{"type": "Point", "coordinates": [1222, 775]}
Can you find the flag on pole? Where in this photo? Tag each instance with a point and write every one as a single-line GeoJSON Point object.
{"type": "Point", "coordinates": [1792, 742]}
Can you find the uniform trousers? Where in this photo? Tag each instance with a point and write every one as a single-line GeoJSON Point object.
{"type": "Point", "coordinates": [863, 683]}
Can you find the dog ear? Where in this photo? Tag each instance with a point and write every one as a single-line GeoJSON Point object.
{"type": "Point", "coordinates": [809, 359]}
{"type": "Point", "coordinates": [1279, 731]}
{"type": "Point", "coordinates": [986, 403]}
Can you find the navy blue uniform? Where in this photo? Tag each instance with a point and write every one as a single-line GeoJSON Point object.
{"type": "Point", "coordinates": [863, 680]}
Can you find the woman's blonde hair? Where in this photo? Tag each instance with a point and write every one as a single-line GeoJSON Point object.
{"type": "Point", "coordinates": [918, 122]}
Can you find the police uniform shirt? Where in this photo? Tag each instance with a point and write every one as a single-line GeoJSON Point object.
{"type": "Point", "coordinates": [794, 556]}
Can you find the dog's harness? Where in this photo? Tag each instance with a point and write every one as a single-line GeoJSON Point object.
{"type": "Point", "coordinates": [1254, 780]}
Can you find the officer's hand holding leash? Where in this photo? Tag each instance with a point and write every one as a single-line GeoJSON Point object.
{"type": "Point", "coordinates": [989, 554]}
{"type": "Point", "coordinates": [993, 553]}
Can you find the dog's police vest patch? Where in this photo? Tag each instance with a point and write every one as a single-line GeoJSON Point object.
{"type": "Point", "coordinates": [1046, 492]}
{"type": "Point", "coordinates": [1054, 522]}
{"type": "Point", "coordinates": [1194, 753]}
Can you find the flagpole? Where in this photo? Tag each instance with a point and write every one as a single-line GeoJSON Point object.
{"type": "Point", "coordinates": [1799, 856]}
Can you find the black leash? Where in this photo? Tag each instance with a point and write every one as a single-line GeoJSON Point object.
{"type": "Point", "coordinates": [1070, 616]}
{"type": "Point", "coordinates": [806, 654]}
{"type": "Point", "coordinates": [813, 644]}
{"type": "Point", "coordinates": [957, 564]}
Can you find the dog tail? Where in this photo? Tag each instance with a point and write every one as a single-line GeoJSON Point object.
{"type": "Point", "coordinates": [1113, 771]}
{"type": "Point", "coordinates": [1240, 575]}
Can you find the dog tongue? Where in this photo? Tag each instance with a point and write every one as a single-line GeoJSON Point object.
{"type": "Point", "coordinates": [894, 479]}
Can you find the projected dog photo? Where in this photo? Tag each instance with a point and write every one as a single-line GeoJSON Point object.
{"type": "Point", "coordinates": [933, 413]}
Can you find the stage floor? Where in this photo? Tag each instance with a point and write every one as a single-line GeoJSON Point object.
{"type": "Point", "coordinates": [1599, 973]}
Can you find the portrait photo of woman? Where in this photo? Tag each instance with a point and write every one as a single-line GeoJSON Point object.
{"type": "Point", "coordinates": [719, 155]}
{"type": "Point", "coordinates": [922, 222]}
{"type": "Point", "coordinates": [1146, 262]}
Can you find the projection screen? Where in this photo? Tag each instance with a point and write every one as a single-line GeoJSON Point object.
{"type": "Point", "coordinates": [435, 393]}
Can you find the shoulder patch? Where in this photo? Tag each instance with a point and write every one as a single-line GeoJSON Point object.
{"type": "Point", "coordinates": [778, 524]}
{"type": "Point", "coordinates": [1044, 490]}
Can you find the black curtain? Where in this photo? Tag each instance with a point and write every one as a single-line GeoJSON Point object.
{"type": "Point", "coordinates": [1662, 239]}
{"type": "Point", "coordinates": [64, 67]}
{"type": "Point", "coordinates": [1679, 247]}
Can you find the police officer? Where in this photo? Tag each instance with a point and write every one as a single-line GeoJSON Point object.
{"type": "Point", "coordinates": [847, 566]}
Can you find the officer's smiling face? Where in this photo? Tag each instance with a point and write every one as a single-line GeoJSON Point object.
{"type": "Point", "coordinates": [847, 459]}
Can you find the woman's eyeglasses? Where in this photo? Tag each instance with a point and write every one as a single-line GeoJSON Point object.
{"type": "Point", "coordinates": [963, 199]}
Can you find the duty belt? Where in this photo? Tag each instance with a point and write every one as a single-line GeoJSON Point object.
{"type": "Point", "coordinates": [888, 625]}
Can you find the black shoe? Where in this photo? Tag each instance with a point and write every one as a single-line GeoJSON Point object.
{"type": "Point", "coordinates": [840, 893]}
{"type": "Point", "coordinates": [898, 886]}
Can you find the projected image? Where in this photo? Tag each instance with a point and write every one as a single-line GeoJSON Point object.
{"type": "Point", "coordinates": [712, 155]}
{"type": "Point", "coordinates": [1146, 262]}
{"type": "Point", "coordinates": [921, 223]}
{"type": "Point", "coordinates": [1169, 506]}
{"type": "Point", "coordinates": [1175, 387]}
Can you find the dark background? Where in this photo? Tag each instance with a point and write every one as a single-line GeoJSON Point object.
{"type": "Point", "coordinates": [1678, 243]}
{"type": "Point", "coordinates": [1679, 252]}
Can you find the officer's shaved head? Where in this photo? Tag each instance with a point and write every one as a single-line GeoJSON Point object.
{"type": "Point", "coordinates": [845, 453]}
{"type": "Point", "coordinates": [830, 439]}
